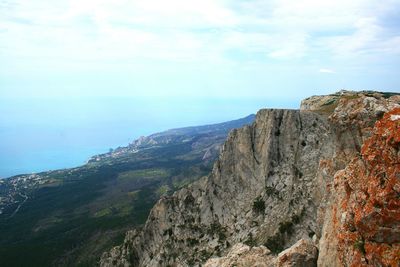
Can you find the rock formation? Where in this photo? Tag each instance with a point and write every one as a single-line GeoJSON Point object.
{"type": "Point", "coordinates": [366, 211]}
{"type": "Point", "coordinates": [304, 253]}
{"type": "Point", "coordinates": [273, 188]}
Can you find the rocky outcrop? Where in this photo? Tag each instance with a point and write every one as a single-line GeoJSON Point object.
{"type": "Point", "coordinates": [242, 255]}
{"type": "Point", "coordinates": [366, 211]}
{"type": "Point", "coordinates": [270, 187]}
{"type": "Point", "coordinates": [304, 253]}
{"type": "Point", "coordinates": [265, 189]}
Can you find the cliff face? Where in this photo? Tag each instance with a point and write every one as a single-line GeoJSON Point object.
{"type": "Point", "coordinates": [366, 209]}
{"type": "Point", "coordinates": [270, 187]}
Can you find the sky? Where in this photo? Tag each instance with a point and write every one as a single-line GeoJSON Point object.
{"type": "Point", "coordinates": [278, 49]}
{"type": "Point", "coordinates": [78, 77]}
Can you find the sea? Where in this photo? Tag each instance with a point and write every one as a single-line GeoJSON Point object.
{"type": "Point", "coordinates": [40, 134]}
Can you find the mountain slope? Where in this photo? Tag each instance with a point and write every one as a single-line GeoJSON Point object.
{"type": "Point", "coordinates": [270, 187]}
{"type": "Point", "coordinates": [69, 217]}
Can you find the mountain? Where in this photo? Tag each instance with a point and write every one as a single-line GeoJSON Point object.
{"type": "Point", "coordinates": [69, 217]}
{"type": "Point", "coordinates": [315, 186]}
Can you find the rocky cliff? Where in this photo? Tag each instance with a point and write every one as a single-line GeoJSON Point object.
{"type": "Point", "coordinates": [274, 197]}
{"type": "Point", "coordinates": [364, 222]}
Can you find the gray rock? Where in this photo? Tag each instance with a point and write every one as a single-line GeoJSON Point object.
{"type": "Point", "coordinates": [302, 254]}
{"type": "Point", "coordinates": [274, 162]}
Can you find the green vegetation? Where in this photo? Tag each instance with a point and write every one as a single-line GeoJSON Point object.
{"type": "Point", "coordinates": [259, 205]}
{"type": "Point", "coordinates": [84, 211]}
{"type": "Point", "coordinates": [191, 262]}
{"type": "Point", "coordinates": [146, 174]}
{"type": "Point", "coordinates": [133, 194]}
{"type": "Point", "coordinates": [192, 242]}
{"type": "Point", "coordinates": [384, 94]}
{"type": "Point", "coordinates": [359, 245]}
{"type": "Point", "coordinates": [329, 106]}
{"type": "Point", "coordinates": [205, 254]}
{"type": "Point", "coordinates": [286, 227]}
{"type": "Point", "coordinates": [103, 212]}
{"type": "Point", "coordinates": [214, 228]}
{"type": "Point", "coordinates": [275, 243]}
{"type": "Point", "coordinates": [271, 191]}
{"type": "Point", "coordinates": [251, 242]}
{"type": "Point", "coordinates": [88, 210]}
{"type": "Point", "coordinates": [330, 102]}
{"type": "Point", "coordinates": [163, 190]}
{"type": "Point", "coordinates": [296, 218]}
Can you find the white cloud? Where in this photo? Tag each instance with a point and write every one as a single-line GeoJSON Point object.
{"type": "Point", "coordinates": [189, 30]}
{"type": "Point", "coordinates": [281, 29]}
{"type": "Point", "coordinates": [292, 46]}
{"type": "Point", "coordinates": [368, 39]}
{"type": "Point", "coordinates": [330, 71]}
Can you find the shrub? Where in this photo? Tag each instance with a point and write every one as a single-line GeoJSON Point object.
{"type": "Point", "coordinates": [259, 205]}
{"type": "Point", "coordinates": [215, 228]}
{"type": "Point", "coordinates": [221, 236]}
{"type": "Point", "coordinates": [286, 227]}
{"type": "Point", "coordinates": [359, 245]}
{"type": "Point", "coordinates": [192, 241]}
{"type": "Point", "coordinates": [275, 243]}
{"type": "Point", "coordinates": [269, 190]}
{"type": "Point", "coordinates": [296, 218]}
{"type": "Point", "coordinates": [250, 241]}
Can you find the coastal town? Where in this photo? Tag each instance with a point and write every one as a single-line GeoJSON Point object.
{"type": "Point", "coordinates": [15, 190]}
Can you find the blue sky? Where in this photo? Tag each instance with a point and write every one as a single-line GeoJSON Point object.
{"type": "Point", "coordinates": [186, 49]}
{"type": "Point", "coordinates": [80, 76]}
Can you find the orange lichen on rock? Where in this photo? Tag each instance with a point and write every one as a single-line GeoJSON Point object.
{"type": "Point", "coordinates": [368, 212]}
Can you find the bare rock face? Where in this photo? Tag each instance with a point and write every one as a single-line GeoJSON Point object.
{"type": "Point", "coordinates": [265, 189]}
{"type": "Point", "coordinates": [242, 255]}
{"type": "Point", "coordinates": [366, 216]}
{"type": "Point", "coordinates": [120, 256]}
{"type": "Point", "coordinates": [302, 254]}
{"type": "Point", "coordinates": [274, 185]}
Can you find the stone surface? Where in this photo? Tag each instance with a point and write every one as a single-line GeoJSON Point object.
{"type": "Point", "coordinates": [304, 253]}
{"type": "Point", "coordinates": [275, 162]}
{"type": "Point", "coordinates": [366, 214]}
{"type": "Point", "coordinates": [274, 185]}
{"type": "Point", "coordinates": [242, 255]}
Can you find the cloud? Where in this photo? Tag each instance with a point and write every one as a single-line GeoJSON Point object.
{"type": "Point", "coordinates": [258, 36]}
{"type": "Point", "coordinates": [196, 30]}
{"type": "Point", "coordinates": [327, 71]}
